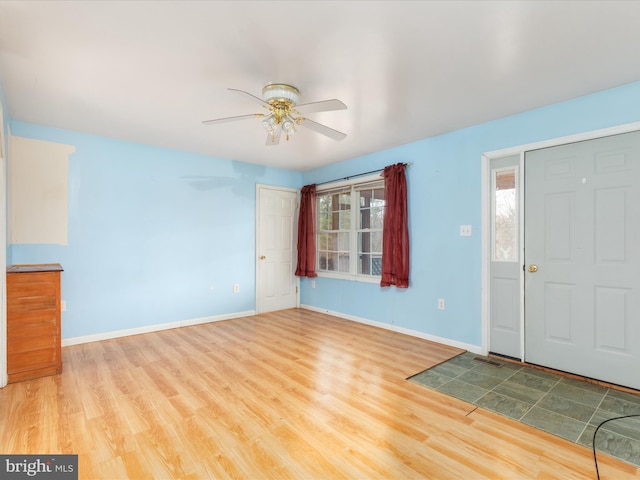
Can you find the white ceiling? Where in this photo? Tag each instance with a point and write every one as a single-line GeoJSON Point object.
{"type": "Point", "coordinates": [152, 71]}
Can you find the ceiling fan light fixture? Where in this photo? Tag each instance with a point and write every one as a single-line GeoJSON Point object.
{"type": "Point", "coordinates": [288, 125]}
{"type": "Point", "coordinates": [270, 123]}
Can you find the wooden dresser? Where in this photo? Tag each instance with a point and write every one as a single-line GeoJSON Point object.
{"type": "Point", "coordinates": [33, 321]}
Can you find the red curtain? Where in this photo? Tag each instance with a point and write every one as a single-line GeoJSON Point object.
{"type": "Point", "coordinates": [307, 233]}
{"type": "Point", "coordinates": [395, 233]}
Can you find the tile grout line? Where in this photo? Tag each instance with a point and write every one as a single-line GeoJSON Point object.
{"type": "Point", "coordinates": [540, 399]}
{"type": "Point", "coordinates": [502, 381]}
{"type": "Point", "coordinates": [487, 390]}
{"type": "Point", "coordinates": [624, 435]}
{"type": "Point", "coordinates": [455, 378]}
{"type": "Point", "coordinates": [593, 415]}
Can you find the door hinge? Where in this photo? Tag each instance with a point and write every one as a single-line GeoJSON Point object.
{"type": "Point", "coordinates": [296, 289]}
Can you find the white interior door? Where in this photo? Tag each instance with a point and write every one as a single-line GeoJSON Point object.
{"type": "Point", "coordinates": [505, 332]}
{"type": "Point", "coordinates": [276, 285]}
{"type": "Point", "coordinates": [582, 258]}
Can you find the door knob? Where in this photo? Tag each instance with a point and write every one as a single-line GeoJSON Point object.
{"type": "Point", "coordinates": [262, 257]}
{"type": "Point", "coordinates": [533, 268]}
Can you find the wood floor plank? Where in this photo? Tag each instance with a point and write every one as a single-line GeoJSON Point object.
{"type": "Point", "coordinates": [288, 395]}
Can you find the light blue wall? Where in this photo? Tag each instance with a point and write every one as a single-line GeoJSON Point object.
{"type": "Point", "coordinates": [444, 184]}
{"type": "Point", "coordinates": [151, 230]}
{"type": "Point", "coordinates": [155, 235]}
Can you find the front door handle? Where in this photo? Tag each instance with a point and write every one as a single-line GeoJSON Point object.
{"type": "Point", "coordinates": [533, 268]}
{"type": "Point", "coordinates": [262, 257]}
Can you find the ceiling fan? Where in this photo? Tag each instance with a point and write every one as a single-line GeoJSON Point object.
{"type": "Point", "coordinates": [283, 112]}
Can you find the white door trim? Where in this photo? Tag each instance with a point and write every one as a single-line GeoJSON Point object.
{"type": "Point", "coordinates": [486, 218]}
{"type": "Point", "coordinates": [259, 188]}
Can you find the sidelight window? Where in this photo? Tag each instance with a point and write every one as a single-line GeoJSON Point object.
{"type": "Point", "coordinates": [505, 215]}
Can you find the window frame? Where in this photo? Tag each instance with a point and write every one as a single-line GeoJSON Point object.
{"type": "Point", "coordinates": [354, 185]}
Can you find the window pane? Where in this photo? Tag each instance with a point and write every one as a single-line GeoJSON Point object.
{"type": "Point", "coordinates": [371, 208]}
{"type": "Point", "coordinates": [322, 260]}
{"type": "Point", "coordinates": [364, 219]}
{"type": "Point", "coordinates": [324, 221]}
{"type": "Point", "coordinates": [370, 222]}
{"type": "Point", "coordinates": [344, 263]}
{"type": "Point", "coordinates": [345, 220]}
{"type": "Point", "coordinates": [332, 261]}
{"type": "Point", "coordinates": [343, 241]}
{"type": "Point", "coordinates": [364, 242]}
{"type": "Point", "coordinates": [324, 205]}
{"type": "Point", "coordinates": [364, 265]}
{"type": "Point", "coordinates": [505, 221]}
{"type": "Point", "coordinates": [376, 242]}
{"type": "Point", "coordinates": [333, 242]}
{"type": "Point", "coordinates": [345, 200]}
{"type": "Point", "coordinates": [377, 216]}
{"type": "Point", "coordinates": [323, 242]}
{"type": "Point", "coordinates": [370, 264]}
{"type": "Point", "coordinates": [376, 265]}
{"type": "Point", "coordinates": [333, 220]}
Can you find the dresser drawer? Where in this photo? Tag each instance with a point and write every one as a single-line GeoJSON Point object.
{"type": "Point", "coordinates": [31, 359]}
{"type": "Point", "coordinates": [30, 304]}
{"type": "Point", "coordinates": [36, 280]}
{"type": "Point", "coordinates": [33, 343]}
{"type": "Point", "coordinates": [33, 319]}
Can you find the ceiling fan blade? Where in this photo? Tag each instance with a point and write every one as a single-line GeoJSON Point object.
{"type": "Point", "coordinates": [232, 119]}
{"type": "Point", "coordinates": [323, 106]}
{"type": "Point", "coordinates": [322, 129]}
{"type": "Point", "coordinates": [250, 97]}
{"type": "Point", "coordinates": [274, 139]}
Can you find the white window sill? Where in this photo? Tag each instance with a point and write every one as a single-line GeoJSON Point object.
{"type": "Point", "coordinates": [353, 278]}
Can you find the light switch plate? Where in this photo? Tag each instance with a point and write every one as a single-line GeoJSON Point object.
{"type": "Point", "coordinates": [465, 230]}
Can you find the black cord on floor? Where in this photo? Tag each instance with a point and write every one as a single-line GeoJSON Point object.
{"type": "Point", "coordinates": [595, 458]}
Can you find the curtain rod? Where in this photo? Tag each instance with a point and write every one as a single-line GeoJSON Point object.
{"type": "Point", "coordinates": [357, 175]}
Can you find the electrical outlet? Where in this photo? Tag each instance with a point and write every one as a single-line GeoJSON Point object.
{"type": "Point", "coordinates": [313, 284]}
{"type": "Point", "coordinates": [441, 304]}
{"type": "Point", "coordinates": [236, 287]}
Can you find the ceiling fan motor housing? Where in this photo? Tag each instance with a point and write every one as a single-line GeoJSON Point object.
{"type": "Point", "coordinates": [280, 93]}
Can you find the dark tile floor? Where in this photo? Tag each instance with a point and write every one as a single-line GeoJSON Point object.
{"type": "Point", "coordinates": [566, 407]}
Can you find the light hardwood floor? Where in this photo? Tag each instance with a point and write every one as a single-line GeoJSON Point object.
{"type": "Point", "coordinates": [292, 394]}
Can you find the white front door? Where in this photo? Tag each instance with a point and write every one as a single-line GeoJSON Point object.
{"type": "Point", "coordinates": [582, 258]}
{"type": "Point", "coordinates": [276, 285]}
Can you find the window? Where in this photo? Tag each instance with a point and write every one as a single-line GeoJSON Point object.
{"type": "Point", "coordinates": [505, 216]}
{"type": "Point", "coordinates": [349, 233]}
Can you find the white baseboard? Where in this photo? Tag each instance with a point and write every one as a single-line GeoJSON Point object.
{"type": "Point", "coordinates": [414, 333]}
{"type": "Point", "coordinates": [218, 318]}
{"type": "Point", "coordinates": [153, 328]}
